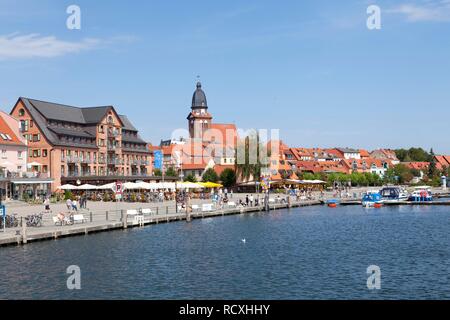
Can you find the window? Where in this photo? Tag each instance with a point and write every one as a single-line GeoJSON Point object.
{"type": "Point", "coordinates": [45, 168]}
{"type": "Point", "coordinates": [4, 154]}
{"type": "Point", "coordinates": [36, 137]}
{"type": "Point", "coordinates": [3, 136]}
{"type": "Point", "coordinates": [24, 125]}
{"type": "Point", "coordinates": [44, 152]}
{"type": "Point", "coordinates": [31, 123]}
{"type": "Point", "coordinates": [19, 154]}
{"type": "Point", "coordinates": [8, 136]}
{"type": "Point", "coordinates": [21, 112]}
{"type": "Point", "coordinates": [100, 129]}
{"type": "Point", "coordinates": [19, 168]}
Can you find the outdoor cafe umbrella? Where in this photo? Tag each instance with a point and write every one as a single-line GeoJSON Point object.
{"type": "Point", "coordinates": [68, 187]}
{"type": "Point", "coordinates": [211, 184]}
{"type": "Point", "coordinates": [87, 187]}
{"type": "Point", "coordinates": [189, 185]}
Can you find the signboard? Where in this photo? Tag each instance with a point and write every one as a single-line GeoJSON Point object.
{"type": "Point", "coordinates": [158, 159]}
{"type": "Point", "coordinates": [119, 189]}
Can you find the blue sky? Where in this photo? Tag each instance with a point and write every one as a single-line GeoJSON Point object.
{"type": "Point", "coordinates": [310, 68]}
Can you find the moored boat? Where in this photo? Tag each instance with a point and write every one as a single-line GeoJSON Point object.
{"type": "Point", "coordinates": [393, 194]}
{"type": "Point", "coordinates": [421, 194]}
{"type": "Point", "coordinates": [370, 199]}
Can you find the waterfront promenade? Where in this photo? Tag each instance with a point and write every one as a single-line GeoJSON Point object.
{"type": "Point", "coordinates": [101, 216]}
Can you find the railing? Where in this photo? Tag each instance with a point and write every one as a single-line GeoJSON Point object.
{"type": "Point", "coordinates": [115, 162]}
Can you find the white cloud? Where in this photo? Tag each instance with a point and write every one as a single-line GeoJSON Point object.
{"type": "Point", "coordinates": [17, 46]}
{"type": "Point", "coordinates": [438, 11]}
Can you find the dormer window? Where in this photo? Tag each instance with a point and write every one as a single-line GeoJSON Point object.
{"type": "Point", "coordinates": [21, 112]}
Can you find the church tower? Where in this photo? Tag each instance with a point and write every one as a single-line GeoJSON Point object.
{"type": "Point", "coordinates": [199, 118]}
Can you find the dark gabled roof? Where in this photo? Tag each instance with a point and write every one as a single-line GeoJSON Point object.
{"type": "Point", "coordinates": [126, 123]}
{"type": "Point", "coordinates": [62, 112]}
{"type": "Point", "coordinates": [55, 111]}
{"type": "Point", "coordinates": [70, 132]}
{"type": "Point", "coordinates": [41, 111]}
{"type": "Point", "coordinates": [95, 114]}
{"type": "Point", "coordinates": [132, 139]}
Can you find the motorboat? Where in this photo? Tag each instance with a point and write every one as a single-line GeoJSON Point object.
{"type": "Point", "coordinates": [393, 194]}
{"type": "Point", "coordinates": [421, 194]}
{"type": "Point", "coordinates": [371, 198]}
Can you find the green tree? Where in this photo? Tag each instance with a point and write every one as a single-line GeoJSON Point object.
{"type": "Point", "coordinates": [228, 177]}
{"type": "Point", "coordinates": [157, 173]}
{"type": "Point", "coordinates": [190, 178]}
{"type": "Point", "coordinates": [210, 176]}
{"type": "Point", "coordinates": [171, 172]}
{"type": "Point", "coordinates": [432, 170]}
{"type": "Point", "coordinates": [244, 166]}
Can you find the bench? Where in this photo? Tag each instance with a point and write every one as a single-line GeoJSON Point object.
{"type": "Point", "coordinates": [132, 212]}
{"type": "Point", "coordinates": [231, 204]}
{"type": "Point", "coordinates": [146, 211]}
{"type": "Point", "coordinates": [207, 207]}
{"type": "Point", "coordinates": [79, 218]}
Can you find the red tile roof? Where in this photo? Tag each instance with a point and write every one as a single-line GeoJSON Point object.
{"type": "Point", "coordinates": [5, 130]}
{"type": "Point", "coordinates": [218, 168]}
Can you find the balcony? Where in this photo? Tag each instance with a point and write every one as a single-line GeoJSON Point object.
{"type": "Point", "coordinates": [111, 147]}
{"type": "Point", "coordinates": [113, 132]}
{"type": "Point", "coordinates": [72, 159]}
{"type": "Point", "coordinates": [86, 161]}
{"type": "Point", "coordinates": [115, 162]}
{"type": "Point", "coordinates": [101, 161]}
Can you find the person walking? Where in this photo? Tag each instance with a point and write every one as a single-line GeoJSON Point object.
{"type": "Point", "coordinates": [74, 205]}
{"type": "Point", "coordinates": [251, 200]}
{"type": "Point", "coordinates": [47, 205]}
{"type": "Point", "coordinates": [247, 200]}
{"type": "Point", "coordinates": [69, 204]}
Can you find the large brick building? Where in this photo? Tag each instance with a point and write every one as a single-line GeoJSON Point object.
{"type": "Point", "coordinates": [82, 145]}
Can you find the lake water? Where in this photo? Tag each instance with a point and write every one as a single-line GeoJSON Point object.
{"type": "Point", "coordinates": [302, 253]}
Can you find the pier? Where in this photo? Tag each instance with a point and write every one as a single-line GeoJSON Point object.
{"type": "Point", "coordinates": [119, 219]}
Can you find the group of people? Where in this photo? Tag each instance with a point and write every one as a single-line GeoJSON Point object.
{"type": "Point", "coordinates": [72, 204]}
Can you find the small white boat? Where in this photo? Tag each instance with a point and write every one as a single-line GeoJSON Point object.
{"type": "Point", "coordinates": [421, 194]}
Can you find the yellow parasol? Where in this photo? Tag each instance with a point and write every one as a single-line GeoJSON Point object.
{"type": "Point", "coordinates": [211, 185]}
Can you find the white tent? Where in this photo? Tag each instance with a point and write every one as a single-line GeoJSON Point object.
{"type": "Point", "coordinates": [87, 187]}
{"type": "Point", "coordinates": [68, 187]}
{"type": "Point", "coordinates": [111, 186]}
{"type": "Point", "coordinates": [189, 185]}
{"type": "Point", "coordinates": [132, 186]}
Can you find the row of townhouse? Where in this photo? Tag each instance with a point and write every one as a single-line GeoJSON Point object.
{"type": "Point", "coordinates": [289, 161]}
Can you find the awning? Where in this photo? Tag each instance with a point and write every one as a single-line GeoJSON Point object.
{"type": "Point", "coordinates": [29, 181]}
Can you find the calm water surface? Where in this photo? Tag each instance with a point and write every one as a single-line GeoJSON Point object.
{"type": "Point", "coordinates": [304, 253]}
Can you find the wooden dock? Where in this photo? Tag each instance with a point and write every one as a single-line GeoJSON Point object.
{"type": "Point", "coordinates": [21, 236]}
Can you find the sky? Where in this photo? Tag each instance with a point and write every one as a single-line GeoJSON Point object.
{"type": "Point", "coordinates": [311, 69]}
